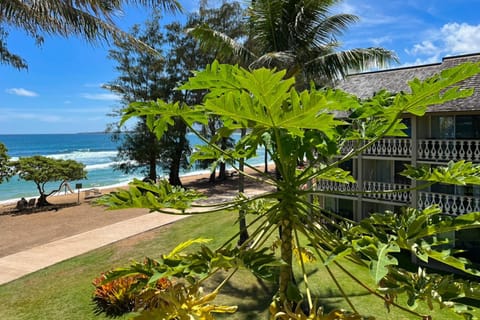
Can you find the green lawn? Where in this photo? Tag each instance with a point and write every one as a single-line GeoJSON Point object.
{"type": "Point", "coordinates": [63, 291]}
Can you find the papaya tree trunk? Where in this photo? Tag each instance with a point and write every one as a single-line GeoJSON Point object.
{"type": "Point", "coordinates": [241, 189]}
{"type": "Point", "coordinates": [286, 253]}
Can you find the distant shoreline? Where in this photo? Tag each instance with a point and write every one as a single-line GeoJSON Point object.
{"type": "Point", "coordinates": [13, 201]}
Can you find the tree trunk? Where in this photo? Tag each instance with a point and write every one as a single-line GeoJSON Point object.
{"type": "Point", "coordinates": [212, 176]}
{"type": "Point", "coordinates": [180, 148]}
{"type": "Point", "coordinates": [241, 189]}
{"type": "Point", "coordinates": [174, 175]}
{"type": "Point", "coordinates": [42, 201]}
{"type": "Point", "coordinates": [241, 213]}
{"type": "Point", "coordinates": [152, 170]}
{"type": "Point", "coordinates": [222, 172]}
{"type": "Point", "coordinates": [285, 277]}
{"type": "Point", "coordinates": [265, 160]}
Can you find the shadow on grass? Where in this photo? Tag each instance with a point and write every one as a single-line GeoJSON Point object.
{"type": "Point", "coordinates": [251, 295]}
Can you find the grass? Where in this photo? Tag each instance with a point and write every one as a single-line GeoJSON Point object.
{"type": "Point", "coordinates": [64, 290]}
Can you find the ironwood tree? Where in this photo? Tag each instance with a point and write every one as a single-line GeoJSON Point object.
{"type": "Point", "coordinates": [147, 77]}
{"type": "Point", "coordinates": [141, 78]}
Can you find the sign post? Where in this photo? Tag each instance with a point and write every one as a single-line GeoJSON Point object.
{"type": "Point", "coordinates": [78, 186]}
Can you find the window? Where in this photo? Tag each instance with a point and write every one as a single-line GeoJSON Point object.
{"type": "Point", "coordinates": [443, 127]}
{"type": "Point", "coordinates": [467, 127]}
{"type": "Point", "coordinates": [408, 123]}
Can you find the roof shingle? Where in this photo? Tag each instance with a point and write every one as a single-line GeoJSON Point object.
{"type": "Point", "coordinates": [365, 85]}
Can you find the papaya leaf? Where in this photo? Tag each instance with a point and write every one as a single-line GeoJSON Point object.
{"type": "Point", "coordinates": [379, 268]}
{"type": "Point", "coordinates": [456, 173]}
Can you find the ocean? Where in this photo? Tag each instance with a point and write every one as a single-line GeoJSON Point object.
{"type": "Point", "coordinates": [95, 150]}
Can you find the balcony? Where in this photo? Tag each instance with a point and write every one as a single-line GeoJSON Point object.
{"type": "Point", "coordinates": [449, 203]}
{"type": "Point", "coordinates": [390, 192]}
{"type": "Point", "coordinates": [446, 150]}
{"type": "Point", "coordinates": [427, 149]}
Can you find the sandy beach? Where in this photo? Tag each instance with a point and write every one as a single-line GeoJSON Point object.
{"type": "Point", "coordinates": [24, 231]}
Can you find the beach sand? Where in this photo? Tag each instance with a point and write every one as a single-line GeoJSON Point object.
{"type": "Point", "coordinates": [23, 231]}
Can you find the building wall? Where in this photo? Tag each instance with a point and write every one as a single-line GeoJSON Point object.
{"type": "Point", "coordinates": [447, 132]}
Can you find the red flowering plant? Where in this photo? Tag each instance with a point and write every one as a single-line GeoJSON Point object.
{"type": "Point", "coordinates": [171, 287]}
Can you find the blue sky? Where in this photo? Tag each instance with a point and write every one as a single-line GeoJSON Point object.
{"type": "Point", "coordinates": [61, 91]}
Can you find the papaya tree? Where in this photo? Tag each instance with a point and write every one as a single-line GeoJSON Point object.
{"type": "Point", "coordinates": [42, 170]}
{"type": "Point", "coordinates": [311, 126]}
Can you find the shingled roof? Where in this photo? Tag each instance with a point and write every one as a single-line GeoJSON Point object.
{"type": "Point", "coordinates": [365, 85]}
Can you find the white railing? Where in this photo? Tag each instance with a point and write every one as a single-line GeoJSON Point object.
{"type": "Point", "coordinates": [330, 186]}
{"type": "Point", "coordinates": [391, 147]}
{"type": "Point", "coordinates": [446, 150]}
{"type": "Point", "coordinates": [386, 191]}
{"type": "Point", "coordinates": [371, 190]}
{"type": "Point", "coordinates": [449, 203]}
{"type": "Point", "coordinates": [427, 149]}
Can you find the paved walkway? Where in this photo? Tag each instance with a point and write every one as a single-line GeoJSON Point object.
{"type": "Point", "coordinates": [22, 263]}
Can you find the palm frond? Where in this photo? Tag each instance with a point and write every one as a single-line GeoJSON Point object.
{"type": "Point", "coordinates": [337, 65]}
{"type": "Point", "coordinates": [90, 19]}
{"type": "Point", "coordinates": [225, 46]}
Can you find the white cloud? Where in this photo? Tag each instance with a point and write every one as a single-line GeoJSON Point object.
{"type": "Point", "coordinates": [450, 39]}
{"type": "Point", "coordinates": [425, 48]}
{"type": "Point", "coordinates": [21, 92]}
{"type": "Point", "coordinates": [101, 96]}
{"type": "Point", "coordinates": [461, 38]}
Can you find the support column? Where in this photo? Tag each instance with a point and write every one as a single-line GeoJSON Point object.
{"type": "Point", "coordinates": [414, 155]}
{"type": "Point", "coordinates": [358, 211]}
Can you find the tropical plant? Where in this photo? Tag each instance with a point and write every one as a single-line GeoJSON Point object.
{"type": "Point", "coordinates": [298, 36]}
{"type": "Point", "coordinates": [42, 170]}
{"type": "Point", "coordinates": [92, 20]}
{"type": "Point", "coordinates": [304, 126]}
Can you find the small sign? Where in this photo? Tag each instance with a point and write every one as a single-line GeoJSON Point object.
{"type": "Point", "coordinates": [78, 186]}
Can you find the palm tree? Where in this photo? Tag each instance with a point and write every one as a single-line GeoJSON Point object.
{"type": "Point", "coordinates": [90, 19]}
{"type": "Point", "coordinates": [299, 36]}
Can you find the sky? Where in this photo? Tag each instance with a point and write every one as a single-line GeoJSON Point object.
{"type": "Point", "coordinates": [61, 92]}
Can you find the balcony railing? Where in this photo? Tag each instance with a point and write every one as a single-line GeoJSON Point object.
{"type": "Point", "coordinates": [390, 147]}
{"type": "Point", "coordinates": [391, 192]}
{"type": "Point", "coordinates": [386, 191]}
{"type": "Point", "coordinates": [427, 149]}
{"type": "Point", "coordinates": [446, 150]}
{"type": "Point", "coordinates": [449, 203]}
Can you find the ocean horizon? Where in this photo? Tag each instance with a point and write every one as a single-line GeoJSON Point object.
{"type": "Point", "coordinates": [94, 149]}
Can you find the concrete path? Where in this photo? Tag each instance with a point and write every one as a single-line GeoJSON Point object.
{"type": "Point", "coordinates": [22, 263]}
